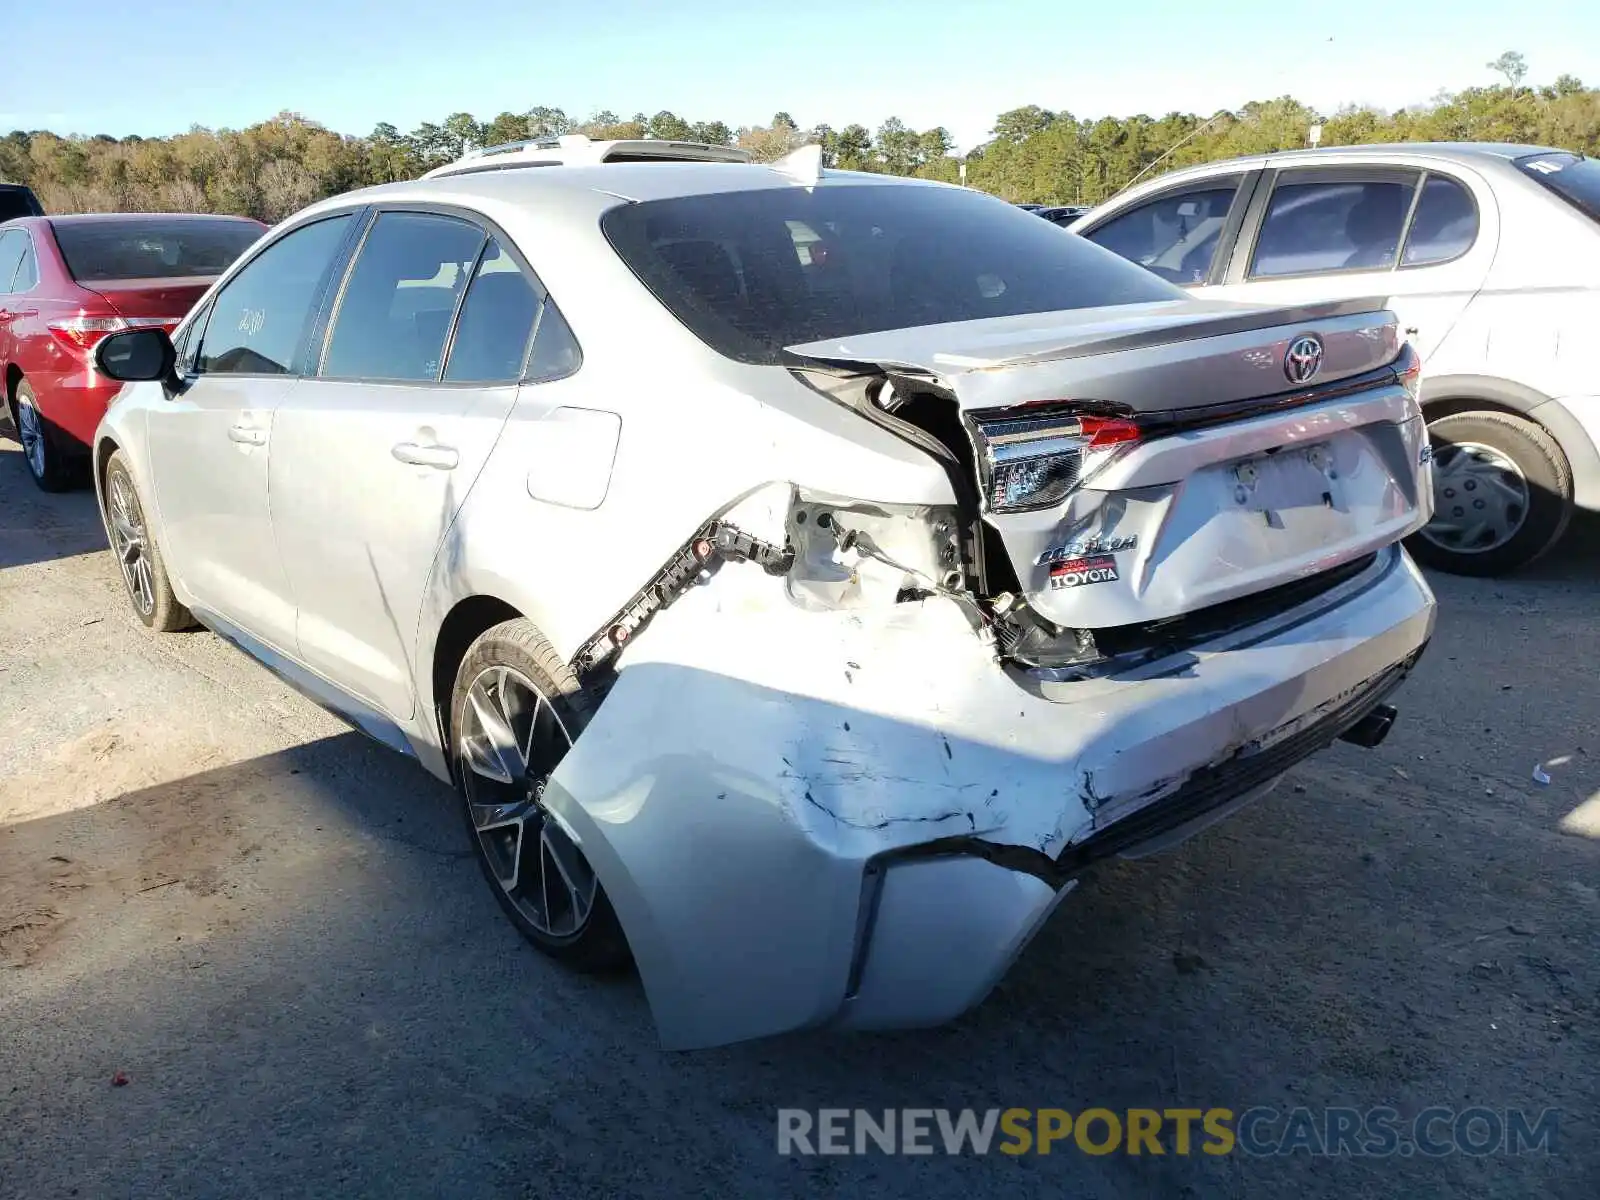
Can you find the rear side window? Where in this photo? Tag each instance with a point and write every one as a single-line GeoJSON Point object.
{"type": "Point", "coordinates": [1312, 228]}
{"type": "Point", "coordinates": [1573, 177]}
{"type": "Point", "coordinates": [497, 319]}
{"type": "Point", "coordinates": [752, 272]}
{"type": "Point", "coordinates": [1175, 236]}
{"type": "Point", "coordinates": [555, 349]}
{"type": "Point", "coordinates": [401, 297]}
{"type": "Point", "coordinates": [12, 243]}
{"type": "Point", "coordinates": [152, 247]}
{"type": "Point", "coordinates": [28, 269]}
{"type": "Point", "coordinates": [1444, 226]}
{"type": "Point", "coordinates": [258, 320]}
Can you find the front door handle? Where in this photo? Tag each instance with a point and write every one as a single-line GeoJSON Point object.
{"type": "Point", "coordinates": [443, 457]}
{"type": "Point", "coordinates": [247, 435]}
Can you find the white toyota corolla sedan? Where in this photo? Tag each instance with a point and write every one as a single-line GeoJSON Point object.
{"type": "Point", "coordinates": [802, 576]}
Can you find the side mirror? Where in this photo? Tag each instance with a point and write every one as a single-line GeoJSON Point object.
{"type": "Point", "coordinates": [137, 356]}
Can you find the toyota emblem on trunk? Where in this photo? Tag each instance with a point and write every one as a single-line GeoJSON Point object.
{"type": "Point", "coordinates": [1303, 359]}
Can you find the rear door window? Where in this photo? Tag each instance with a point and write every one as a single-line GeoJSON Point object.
{"type": "Point", "coordinates": [497, 319]}
{"type": "Point", "coordinates": [399, 301]}
{"type": "Point", "coordinates": [1444, 225]}
{"type": "Point", "coordinates": [260, 318]}
{"type": "Point", "coordinates": [756, 270]}
{"type": "Point", "coordinates": [1177, 235]}
{"type": "Point", "coordinates": [1334, 223]}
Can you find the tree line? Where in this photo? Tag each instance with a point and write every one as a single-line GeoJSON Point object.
{"type": "Point", "coordinates": [1034, 154]}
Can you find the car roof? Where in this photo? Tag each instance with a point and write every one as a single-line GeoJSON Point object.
{"type": "Point", "coordinates": [124, 218]}
{"type": "Point", "coordinates": [1504, 152]}
{"type": "Point", "coordinates": [616, 182]}
{"type": "Point", "coordinates": [576, 149]}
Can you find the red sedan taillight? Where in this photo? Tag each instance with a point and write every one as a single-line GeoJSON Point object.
{"type": "Point", "coordinates": [82, 333]}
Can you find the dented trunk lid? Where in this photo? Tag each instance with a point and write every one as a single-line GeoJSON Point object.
{"type": "Point", "coordinates": [1242, 477]}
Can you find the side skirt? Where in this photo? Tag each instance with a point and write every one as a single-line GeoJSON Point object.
{"type": "Point", "coordinates": [325, 695]}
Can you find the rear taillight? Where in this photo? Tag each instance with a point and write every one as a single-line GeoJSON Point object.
{"type": "Point", "coordinates": [82, 333]}
{"type": "Point", "coordinates": [1033, 458]}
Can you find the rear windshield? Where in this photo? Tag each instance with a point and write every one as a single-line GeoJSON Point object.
{"type": "Point", "coordinates": [1574, 178]}
{"type": "Point", "coordinates": [751, 272]}
{"type": "Point", "coordinates": [152, 249]}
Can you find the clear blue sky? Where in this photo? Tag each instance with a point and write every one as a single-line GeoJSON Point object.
{"type": "Point", "coordinates": [159, 66]}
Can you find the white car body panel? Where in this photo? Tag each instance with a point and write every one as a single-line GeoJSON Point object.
{"type": "Point", "coordinates": [359, 525]}
{"type": "Point", "coordinates": [209, 448]}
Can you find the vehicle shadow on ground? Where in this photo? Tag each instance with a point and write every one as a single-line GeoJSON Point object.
{"type": "Point", "coordinates": [297, 964]}
{"type": "Point", "coordinates": [37, 526]}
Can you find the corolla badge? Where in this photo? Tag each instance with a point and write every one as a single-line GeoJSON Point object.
{"type": "Point", "coordinates": [1303, 359]}
{"type": "Point", "coordinates": [1084, 547]}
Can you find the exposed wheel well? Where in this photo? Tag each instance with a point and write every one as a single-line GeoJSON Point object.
{"type": "Point", "coordinates": [13, 377]}
{"type": "Point", "coordinates": [461, 628]}
{"type": "Point", "coordinates": [1449, 406]}
{"type": "Point", "coordinates": [102, 455]}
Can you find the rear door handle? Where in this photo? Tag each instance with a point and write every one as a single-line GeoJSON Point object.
{"type": "Point", "coordinates": [442, 457]}
{"type": "Point", "coordinates": [247, 435]}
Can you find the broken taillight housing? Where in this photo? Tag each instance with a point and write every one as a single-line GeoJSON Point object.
{"type": "Point", "coordinates": [1034, 457]}
{"type": "Point", "coordinates": [1408, 369]}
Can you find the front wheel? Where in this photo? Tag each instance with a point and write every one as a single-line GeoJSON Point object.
{"type": "Point", "coordinates": [514, 714]}
{"type": "Point", "coordinates": [1502, 495]}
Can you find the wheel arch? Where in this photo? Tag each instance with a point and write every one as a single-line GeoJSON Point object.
{"type": "Point", "coordinates": [1448, 395]}
{"type": "Point", "coordinates": [104, 448]}
{"type": "Point", "coordinates": [466, 621]}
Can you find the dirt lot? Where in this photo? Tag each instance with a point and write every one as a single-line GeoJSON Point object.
{"type": "Point", "coordinates": [274, 930]}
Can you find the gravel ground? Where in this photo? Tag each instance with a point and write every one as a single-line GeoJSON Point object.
{"type": "Point", "coordinates": [275, 931]}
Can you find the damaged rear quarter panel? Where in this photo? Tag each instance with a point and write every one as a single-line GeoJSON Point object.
{"type": "Point", "coordinates": [752, 757]}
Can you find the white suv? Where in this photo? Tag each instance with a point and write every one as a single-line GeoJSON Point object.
{"type": "Point", "coordinates": [802, 576]}
{"type": "Point", "coordinates": [1490, 256]}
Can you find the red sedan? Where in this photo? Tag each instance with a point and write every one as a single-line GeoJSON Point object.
{"type": "Point", "coordinates": [67, 282]}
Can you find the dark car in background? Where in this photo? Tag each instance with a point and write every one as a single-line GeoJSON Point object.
{"type": "Point", "coordinates": [17, 200]}
{"type": "Point", "coordinates": [66, 283]}
{"type": "Point", "coordinates": [1062, 214]}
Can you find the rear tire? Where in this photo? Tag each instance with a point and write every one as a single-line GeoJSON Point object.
{"type": "Point", "coordinates": [515, 711]}
{"type": "Point", "coordinates": [144, 572]}
{"type": "Point", "coordinates": [1502, 495]}
{"type": "Point", "coordinates": [52, 469]}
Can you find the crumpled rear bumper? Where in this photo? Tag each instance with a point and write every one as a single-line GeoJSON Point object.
{"type": "Point", "coordinates": [860, 818]}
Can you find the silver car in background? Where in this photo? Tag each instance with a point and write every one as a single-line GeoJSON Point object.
{"type": "Point", "coordinates": [1490, 256]}
{"type": "Point", "coordinates": [802, 576]}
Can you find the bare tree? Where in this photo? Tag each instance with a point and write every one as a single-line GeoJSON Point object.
{"type": "Point", "coordinates": [181, 195]}
{"type": "Point", "coordinates": [286, 188]}
{"type": "Point", "coordinates": [1512, 65]}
